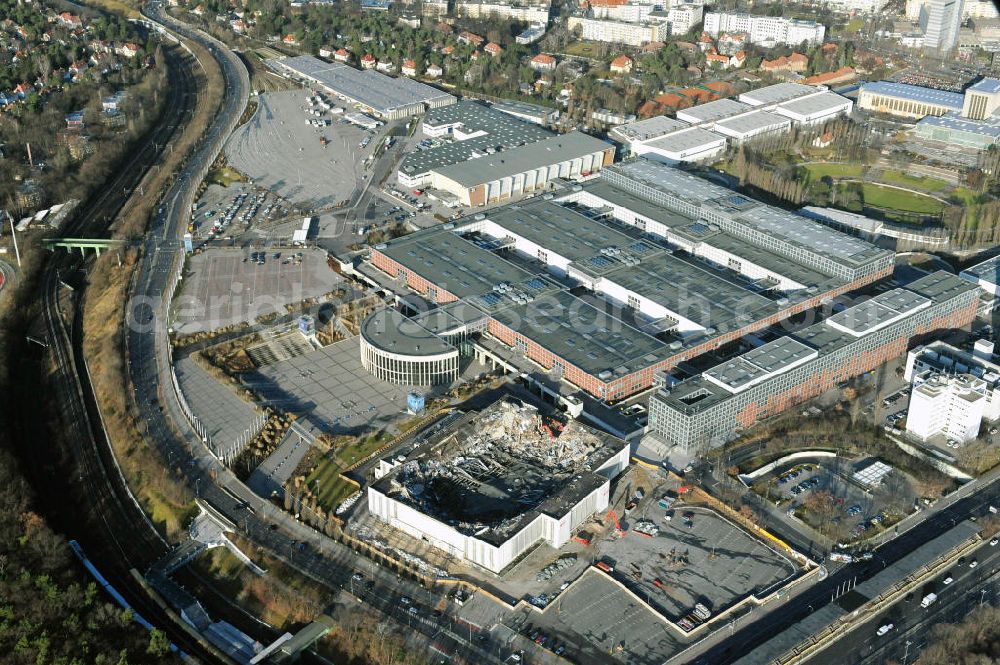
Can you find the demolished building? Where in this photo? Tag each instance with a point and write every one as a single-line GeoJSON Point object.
{"type": "Point", "coordinates": [486, 487]}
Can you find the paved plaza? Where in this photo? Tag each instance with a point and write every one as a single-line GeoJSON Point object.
{"type": "Point", "coordinates": [722, 564]}
{"type": "Point", "coordinates": [225, 416]}
{"type": "Point", "coordinates": [329, 389]}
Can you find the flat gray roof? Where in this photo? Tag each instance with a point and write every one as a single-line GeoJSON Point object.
{"type": "Point", "coordinates": [563, 230]}
{"type": "Point", "coordinates": [523, 108]}
{"type": "Point", "coordinates": [698, 393]}
{"type": "Point", "coordinates": [390, 331]}
{"type": "Point", "coordinates": [988, 270]}
{"type": "Point", "coordinates": [686, 139]}
{"type": "Point", "coordinates": [548, 151]}
{"type": "Point", "coordinates": [762, 362]}
{"type": "Point", "coordinates": [779, 92]}
{"type": "Point", "coordinates": [693, 291]}
{"type": "Point", "coordinates": [649, 128]}
{"type": "Point", "coordinates": [453, 263]}
{"type": "Point", "coordinates": [825, 101]}
{"type": "Point", "coordinates": [749, 122]}
{"type": "Point", "coordinates": [503, 132]}
{"type": "Point", "coordinates": [585, 332]}
{"type": "Point", "coordinates": [776, 222]}
{"type": "Point", "coordinates": [878, 311]}
{"type": "Point", "coordinates": [717, 110]}
{"type": "Point", "coordinates": [808, 233]}
{"type": "Point", "coordinates": [367, 87]}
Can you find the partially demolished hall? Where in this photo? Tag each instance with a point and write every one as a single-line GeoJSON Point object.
{"type": "Point", "coordinates": [487, 486]}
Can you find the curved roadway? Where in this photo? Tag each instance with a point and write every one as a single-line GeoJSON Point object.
{"type": "Point", "coordinates": [148, 355]}
{"type": "Point", "coordinates": [319, 557]}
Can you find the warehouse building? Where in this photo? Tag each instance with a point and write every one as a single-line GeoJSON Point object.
{"type": "Point", "coordinates": [498, 176]}
{"type": "Point", "coordinates": [986, 276]}
{"type": "Point", "coordinates": [475, 130]}
{"type": "Point", "coordinates": [815, 109]}
{"type": "Point", "coordinates": [686, 145]}
{"type": "Point", "coordinates": [705, 115]}
{"type": "Point", "coordinates": [629, 274]}
{"type": "Point", "coordinates": [372, 92]}
{"type": "Point", "coordinates": [768, 97]}
{"type": "Point", "coordinates": [752, 125]}
{"type": "Point", "coordinates": [956, 130]}
{"type": "Point", "coordinates": [701, 133]}
{"type": "Point", "coordinates": [487, 487]}
{"type": "Point", "coordinates": [534, 113]}
{"type": "Point", "coordinates": [645, 130]}
{"type": "Point", "coordinates": [717, 405]}
{"type": "Point", "coordinates": [493, 155]}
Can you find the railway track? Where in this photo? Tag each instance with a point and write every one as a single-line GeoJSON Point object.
{"type": "Point", "coordinates": [111, 526]}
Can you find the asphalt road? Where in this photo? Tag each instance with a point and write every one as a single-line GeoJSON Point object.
{"type": "Point", "coordinates": [911, 622]}
{"type": "Point", "coordinates": [270, 528]}
{"type": "Point", "coordinates": [113, 532]}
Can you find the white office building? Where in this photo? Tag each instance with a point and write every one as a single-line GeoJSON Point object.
{"type": "Point", "coordinates": [684, 16]}
{"type": "Point", "coordinates": [619, 32]}
{"type": "Point", "coordinates": [946, 405]}
{"type": "Point", "coordinates": [765, 30]}
{"type": "Point", "coordinates": [941, 20]}
{"type": "Point", "coordinates": [944, 359]}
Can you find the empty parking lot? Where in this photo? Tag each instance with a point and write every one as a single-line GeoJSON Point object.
{"type": "Point", "coordinates": [223, 286]}
{"type": "Point", "coordinates": [712, 561]}
{"type": "Point", "coordinates": [279, 151]}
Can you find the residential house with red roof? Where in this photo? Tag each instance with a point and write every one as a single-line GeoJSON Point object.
{"type": "Point", "coordinates": [467, 37]}
{"type": "Point", "coordinates": [796, 62]}
{"type": "Point", "coordinates": [543, 62]}
{"type": "Point", "coordinates": [493, 49]}
{"type": "Point", "coordinates": [621, 65]}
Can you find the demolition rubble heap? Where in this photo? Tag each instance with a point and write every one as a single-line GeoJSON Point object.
{"type": "Point", "coordinates": [489, 473]}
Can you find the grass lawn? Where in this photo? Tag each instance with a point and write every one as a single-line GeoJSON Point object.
{"type": "Point", "coordinates": [224, 176]}
{"type": "Point", "coordinates": [581, 49]}
{"type": "Point", "coordinates": [325, 480]}
{"type": "Point", "coordinates": [851, 28]}
{"type": "Point", "coordinates": [117, 7]}
{"type": "Point", "coordinates": [895, 199]}
{"type": "Point", "coordinates": [833, 169]}
{"type": "Point", "coordinates": [912, 181]}
{"type": "Point", "coordinates": [966, 195]}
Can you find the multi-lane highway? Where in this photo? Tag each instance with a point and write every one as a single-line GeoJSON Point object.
{"type": "Point", "coordinates": [970, 587]}
{"type": "Point", "coordinates": [119, 537]}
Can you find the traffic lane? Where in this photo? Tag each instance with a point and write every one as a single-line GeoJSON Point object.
{"type": "Point", "coordinates": [905, 615]}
